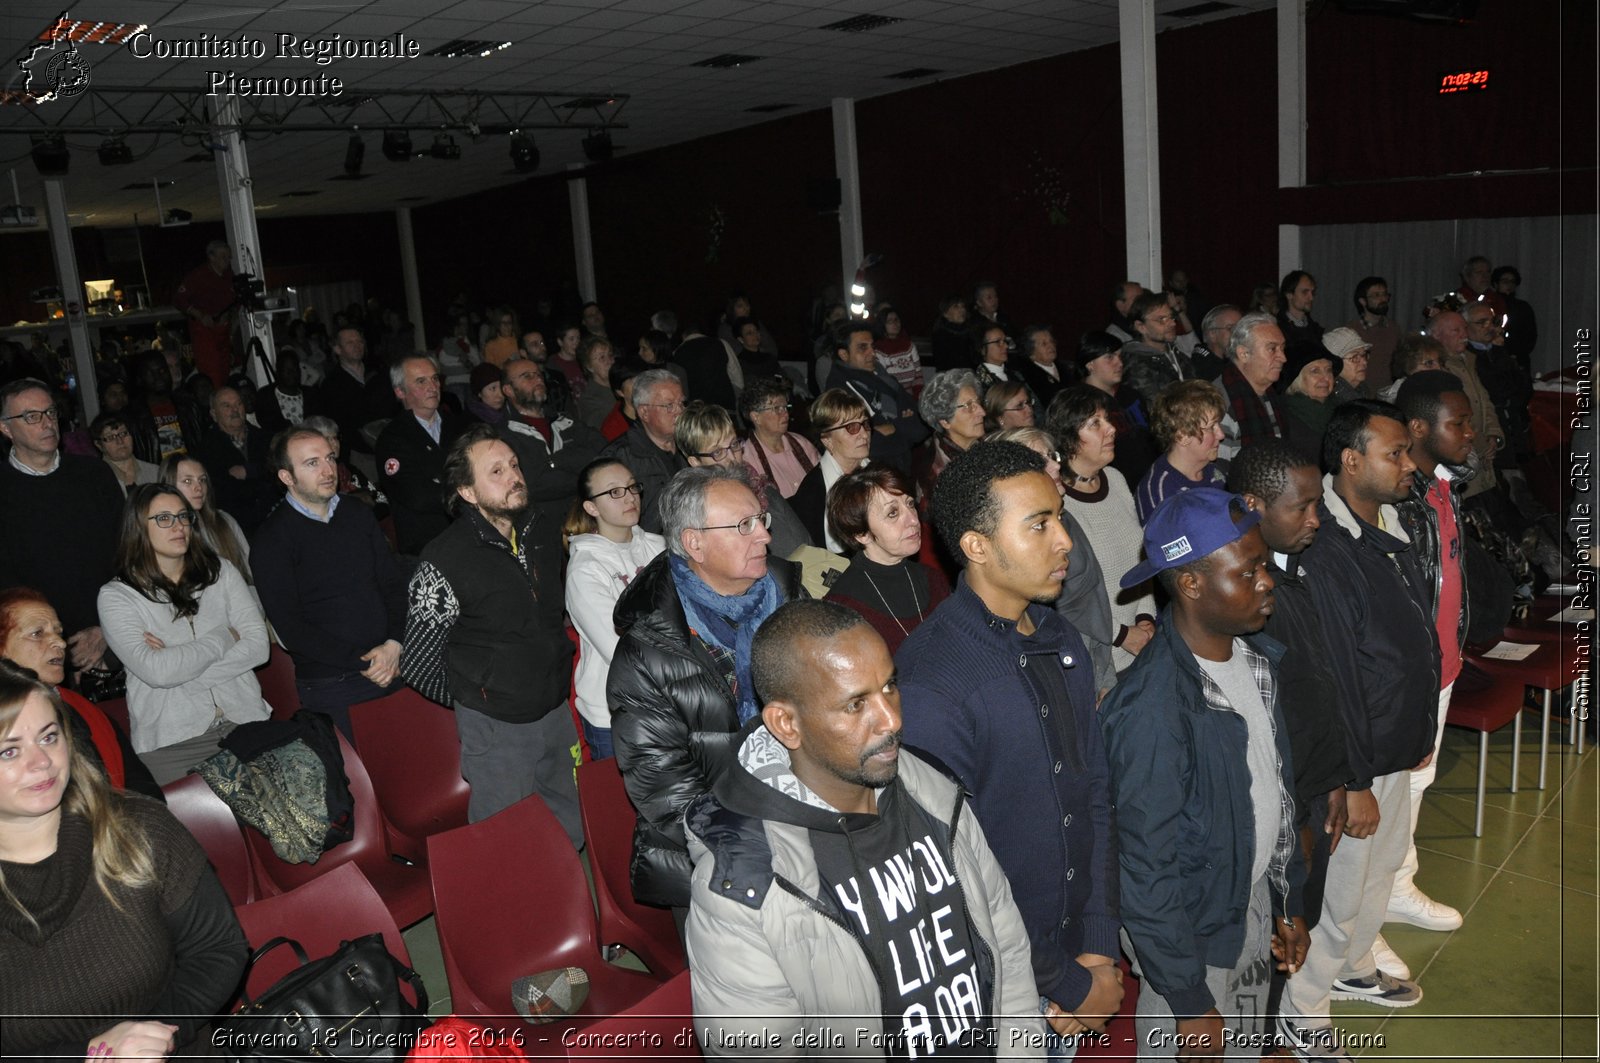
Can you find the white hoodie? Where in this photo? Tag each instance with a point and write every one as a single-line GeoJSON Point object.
{"type": "Point", "coordinates": [598, 570]}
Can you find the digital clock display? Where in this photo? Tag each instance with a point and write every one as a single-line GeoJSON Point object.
{"type": "Point", "coordinates": [1463, 81]}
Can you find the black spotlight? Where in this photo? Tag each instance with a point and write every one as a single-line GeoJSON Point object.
{"type": "Point", "coordinates": [524, 153]}
{"type": "Point", "coordinates": [115, 152]}
{"type": "Point", "coordinates": [354, 152]}
{"type": "Point", "coordinates": [445, 147]}
{"type": "Point", "coordinates": [597, 145]}
{"type": "Point", "coordinates": [396, 145]}
{"type": "Point", "coordinates": [50, 155]}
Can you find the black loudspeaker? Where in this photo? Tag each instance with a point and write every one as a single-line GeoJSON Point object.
{"type": "Point", "coordinates": [823, 194]}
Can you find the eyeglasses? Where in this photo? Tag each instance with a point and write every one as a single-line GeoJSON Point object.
{"type": "Point", "coordinates": [850, 428]}
{"type": "Point", "coordinates": [736, 447]}
{"type": "Point", "coordinates": [167, 520]}
{"type": "Point", "coordinates": [1025, 404]}
{"type": "Point", "coordinates": [670, 407]}
{"type": "Point", "coordinates": [115, 437]}
{"type": "Point", "coordinates": [970, 406]}
{"type": "Point", "coordinates": [34, 416]}
{"type": "Point", "coordinates": [783, 406]}
{"type": "Point", "coordinates": [990, 343]}
{"type": "Point", "coordinates": [617, 492]}
{"type": "Point", "coordinates": [747, 526]}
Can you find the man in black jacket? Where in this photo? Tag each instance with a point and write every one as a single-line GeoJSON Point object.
{"type": "Point", "coordinates": [411, 453]}
{"type": "Point", "coordinates": [1363, 579]}
{"type": "Point", "coordinates": [648, 448]}
{"type": "Point", "coordinates": [235, 454]}
{"type": "Point", "coordinates": [484, 633]}
{"type": "Point", "coordinates": [896, 428]}
{"type": "Point", "coordinates": [680, 685]}
{"type": "Point", "coordinates": [551, 447]}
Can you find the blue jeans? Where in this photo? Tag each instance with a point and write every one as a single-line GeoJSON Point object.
{"type": "Point", "coordinates": [333, 695]}
{"type": "Point", "coordinates": [599, 739]}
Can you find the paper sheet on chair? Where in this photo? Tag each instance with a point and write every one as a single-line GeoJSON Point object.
{"type": "Point", "coordinates": [1511, 651]}
{"type": "Point", "coordinates": [1571, 615]}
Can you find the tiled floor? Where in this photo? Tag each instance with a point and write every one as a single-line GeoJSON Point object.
{"type": "Point", "coordinates": [1518, 980]}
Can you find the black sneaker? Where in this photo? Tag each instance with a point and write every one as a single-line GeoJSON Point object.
{"type": "Point", "coordinates": [1381, 989]}
{"type": "Point", "coordinates": [1313, 1045]}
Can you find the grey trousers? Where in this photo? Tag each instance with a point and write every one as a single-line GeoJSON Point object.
{"type": "Point", "coordinates": [171, 763]}
{"type": "Point", "coordinates": [1355, 901]}
{"type": "Point", "coordinates": [505, 762]}
{"type": "Point", "coordinates": [1240, 991]}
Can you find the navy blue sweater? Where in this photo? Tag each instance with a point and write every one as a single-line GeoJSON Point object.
{"type": "Point", "coordinates": [1036, 770]}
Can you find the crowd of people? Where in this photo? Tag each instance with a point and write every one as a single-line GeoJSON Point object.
{"type": "Point", "coordinates": [879, 638]}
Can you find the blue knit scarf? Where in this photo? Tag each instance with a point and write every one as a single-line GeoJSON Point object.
{"type": "Point", "coordinates": [728, 623]}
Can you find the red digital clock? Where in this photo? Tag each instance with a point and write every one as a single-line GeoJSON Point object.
{"type": "Point", "coordinates": [1464, 81]}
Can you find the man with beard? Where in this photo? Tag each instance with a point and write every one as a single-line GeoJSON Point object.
{"type": "Point", "coordinates": [550, 446]}
{"type": "Point", "coordinates": [484, 633]}
{"type": "Point", "coordinates": [822, 796]}
{"type": "Point", "coordinates": [1375, 327]}
{"type": "Point", "coordinates": [330, 585]}
{"type": "Point", "coordinates": [1201, 780]}
{"type": "Point", "coordinates": [1000, 689]}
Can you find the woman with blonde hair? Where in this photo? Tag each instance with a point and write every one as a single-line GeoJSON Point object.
{"type": "Point", "coordinates": [1186, 419]}
{"type": "Point", "coordinates": [117, 940]}
{"type": "Point", "coordinates": [216, 526]}
{"type": "Point", "coordinates": [187, 628]}
{"type": "Point", "coordinates": [843, 426]}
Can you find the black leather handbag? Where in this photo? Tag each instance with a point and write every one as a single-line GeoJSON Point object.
{"type": "Point", "coordinates": [347, 1006]}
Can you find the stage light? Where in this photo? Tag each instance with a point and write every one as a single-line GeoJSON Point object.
{"type": "Point", "coordinates": [50, 155]}
{"type": "Point", "coordinates": [114, 152]}
{"type": "Point", "coordinates": [445, 147]}
{"type": "Point", "coordinates": [524, 153]}
{"type": "Point", "coordinates": [597, 146]}
{"type": "Point", "coordinates": [397, 145]}
{"type": "Point", "coordinates": [355, 151]}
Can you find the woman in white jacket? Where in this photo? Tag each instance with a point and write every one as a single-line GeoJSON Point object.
{"type": "Point", "coordinates": [605, 550]}
{"type": "Point", "coordinates": [188, 630]}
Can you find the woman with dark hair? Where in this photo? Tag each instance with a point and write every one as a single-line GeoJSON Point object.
{"type": "Point", "coordinates": [1007, 404]}
{"type": "Point", "coordinates": [1098, 496]}
{"type": "Point", "coordinates": [952, 340]}
{"type": "Point", "coordinates": [605, 550]}
{"type": "Point", "coordinates": [624, 415]}
{"type": "Point", "coordinates": [873, 514]}
{"type": "Point", "coordinates": [1100, 361]}
{"type": "Point", "coordinates": [754, 360]}
{"type": "Point", "coordinates": [655, 351]}
{"type": "Point", "coordinates": [117, 940]}
{"type": "Point", "coordinates": [564, 358]}
{"type": "Point", "coordinates": [594, 406]}
{"type": "Point", "coordinates": [217, 527]}
{"type": "Point", "coordinates": [736, 311]}
{"type": "Point", "coordinates": [775, 454]}
{"type": "Point", "coordinates": [114, 439]}
{"type": "Point", "coordinates": [896, 351]}
{"type": "Point", "coordinates": [31, 636]}
{"type": "Point", "coordinates": [185, 624]}
{"type": "Point", "coordinates": [992, 356]}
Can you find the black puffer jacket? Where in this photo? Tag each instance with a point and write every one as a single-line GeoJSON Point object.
{"type": "Point", "coordinates": [673, 722]}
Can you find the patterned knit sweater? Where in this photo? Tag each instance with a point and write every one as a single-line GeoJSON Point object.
{"type": "Point", "coordinates": [173, 952]}
{"type": "Point", "coordinates": [1112, 523]}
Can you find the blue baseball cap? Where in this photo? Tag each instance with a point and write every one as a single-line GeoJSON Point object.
{"type": "Point", "coordinates": [1188, 526]}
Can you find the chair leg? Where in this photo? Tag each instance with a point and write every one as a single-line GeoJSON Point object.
{"type": "Point", "coordinates": [1483, 771]}
{"type": "Point", "coordinates": [1544, 737]}
{"type": "Point", "coordinates": [1516, 748]}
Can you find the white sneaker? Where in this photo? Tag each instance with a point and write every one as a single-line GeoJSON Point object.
{"type": "Point", "coordinates": [1420, 910]}
{"type": "Point", "coordinates": [1388, 961]}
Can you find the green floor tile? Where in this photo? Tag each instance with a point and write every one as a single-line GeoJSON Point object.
{"type": "Point", "coordinates": [1458, 770]}
{"type": "Point", "coordinates": [422, 941]}
{"type": "Point", "coordinates": [1580, 797]}
{"type": "Point", "coordinates": [1445, 826]}
{"type": "Point", "coordinates": [1558, 851]}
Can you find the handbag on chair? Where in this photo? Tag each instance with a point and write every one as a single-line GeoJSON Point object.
{"type": "Point", "coordinates": [346, 1006]}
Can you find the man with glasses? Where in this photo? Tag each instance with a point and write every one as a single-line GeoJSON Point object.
{"type": "Point", "coordinates": [1151, 360]}
{"type": "Point", "coordinates": [896, 428]}
{"type": "Point", "coordinates": [680, 686]}
{"type": "Point", "coordinates": [62, 514]}
{"type": "Point", "coordinates": [648, 447]}
{"type": "Point", "coordinates": [550, 446]}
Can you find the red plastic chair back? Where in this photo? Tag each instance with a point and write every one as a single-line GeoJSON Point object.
{"type": "Point", "coordinates": [219, 833]}
{"type": "Point", "coordinates": [511, 899]}
{"type": "Point", "coordinates": [337, 907]}
{"type": "Point", "coordinates": [661, 1026]}
{"type": "Point", "coordinates": [608, 821]}
{"type": "Point", "coordinates": [278, 684]}
{"type": "Point", "coordinates": [404, 888]}
{"type": "Point", "coordinates": [117, 710]}
{"type": "Point", "coordinates": [412, 753]}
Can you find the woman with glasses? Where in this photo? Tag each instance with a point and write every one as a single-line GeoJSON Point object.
{"type": "Point", "coordinates": [115, 443]}
{"type": "Point", "coordinates": [1007, 404]}
{"type": "Point", "coordinates": [994, 361]}
{"type": "Point", "coordinates": [1187, 421]}
{"type": "Point", "coordinates": [952, 404]}
{"type": "Point", "coordinates": [1098, 496]}
{"type": "Point", "coordinates": [844, 427]}
{"type": "Point", "coordinates": [873, 512]}
{"type": "Point", "coordinates": [217, 527]}
{"type": "Point", "coordinates": [605, 550]}
{"type": "Point", "coordinates": [775, 454]}
{"type": "Point", "coordinates": [184, 623]}
{"type": "Point", "coordinates": [705, 435]}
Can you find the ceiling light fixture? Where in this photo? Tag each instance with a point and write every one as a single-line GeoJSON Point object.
{"type": "Point", "coordinates": [115, 152]}
{"type": "Point", "coordinates": [597, 146]}
{"type": "Point", "coordinates": [397, 145]}
{"type": "Point", "coordinates": [445, 147]}
{"type": "Point", "coordinates": [50, 155]}
{"type": "Point", "coordinates": [524, 153]}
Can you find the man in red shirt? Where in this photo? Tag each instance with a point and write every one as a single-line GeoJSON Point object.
{"type": "Point", "coordinates": [206, 298]}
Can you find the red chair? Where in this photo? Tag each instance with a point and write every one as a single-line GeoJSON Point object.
{"type": "Point", "coordinates": [661, 1026]}
{"type": "Point", "coordinates": [277, 683]}
{"type": "Point", "coordinates": [608, 820]}
{"type": "Point", "coordinates": [117, 710]}
{"type": "Point", "coordinates": [219, 833]}
{"type": "Point", "coordinates": [1549, 668]}
{"type": "Point", "coordinates": [412, 753]}
{"type": "Point", "coordinates": [403, 885]}
{"type": "Point", "coordinates": [321, 914]}
{"type": "Point", "coordinates": [1486, 706]}
{"type": "Point", "coordinates": [511, 899]}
